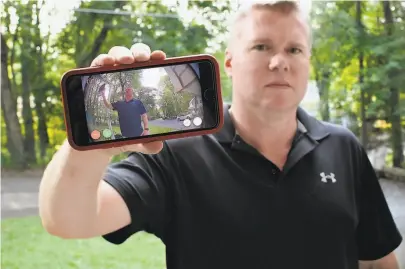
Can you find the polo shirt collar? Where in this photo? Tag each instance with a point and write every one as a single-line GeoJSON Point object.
{"type": "Point", "coordinates": [306, 124]}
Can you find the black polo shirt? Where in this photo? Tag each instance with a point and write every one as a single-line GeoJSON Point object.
{"type": "Point", "coordinates": [215, 202]}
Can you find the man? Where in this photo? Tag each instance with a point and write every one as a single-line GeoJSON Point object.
{"type": "Point", "coordinates": [275, 188]}
{"type": "Point", "coordinates": [131, 114]}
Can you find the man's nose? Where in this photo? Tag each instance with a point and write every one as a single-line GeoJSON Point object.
{"type": "Point", "coordinates": [278, 62]}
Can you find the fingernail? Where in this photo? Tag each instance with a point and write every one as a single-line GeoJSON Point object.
{"type": "Point", "coordinates": [126, 58]}
{"type": "Point", "coordinates": [141, 54]}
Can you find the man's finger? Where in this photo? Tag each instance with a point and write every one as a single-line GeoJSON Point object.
{"type": "Point", "coordinates": [147, 148]}
{"type": "Point", "coordinates": [158, 55]}
{"type": "Point", "coordinates": [122, 55]}
{"type": "Point", "coordinates": [141, 52]}
{"type": "Point", "coordinates": [152, 147]}
{"type": "Point", "coordinates": [102, 60]}
{"type": "Point", "coordinates": [140, 47]}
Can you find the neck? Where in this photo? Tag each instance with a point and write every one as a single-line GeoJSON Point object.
{"type": "Point", "coordinates": [264, 130]}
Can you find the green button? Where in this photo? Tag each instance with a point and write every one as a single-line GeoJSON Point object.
{"type": "Point", "coordinates": [107, 133]}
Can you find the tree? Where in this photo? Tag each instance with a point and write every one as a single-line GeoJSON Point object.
{"type": "Point", "coordinates": [8, 107]}
{"type": "Point", "coordinates": [88, 32]}
{"type": "Point", "coordinates": [358, 61]}
{"type": "Point", "coordinates": [330, 22]}
{"type": "Point", "coordinates": [361, 76]}
{"type": "Point", "coordinates": [148, 97]}
{"type": "Point", "coordinates": [39, 82]}
{"type": "Point", "coordinates": [172, 104]}
{"type": "Point", "coordinates": [393, 71]}
{"type": "Point", "coordinates": [26, 59]}
{"type": "Point", "coordinates": [364, 131]}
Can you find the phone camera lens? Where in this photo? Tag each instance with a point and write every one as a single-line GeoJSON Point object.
{"type": "Point", "coordinates": [209, 94]}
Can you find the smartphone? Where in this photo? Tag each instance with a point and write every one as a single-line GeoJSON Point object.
{"type": "Point", "coordinates": [113, 106]}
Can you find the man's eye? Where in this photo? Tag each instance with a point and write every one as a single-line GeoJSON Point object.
{"type": "Point", "coordinates": [295, 50]}
{"type": "Point", "coordinates": [261, 47]}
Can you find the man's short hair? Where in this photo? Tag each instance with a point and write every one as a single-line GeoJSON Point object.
{"type": "Point", "coordinates": [283, 6]}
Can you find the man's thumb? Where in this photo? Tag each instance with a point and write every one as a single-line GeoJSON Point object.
{"type": "Point", "coordinates": [147, 148]}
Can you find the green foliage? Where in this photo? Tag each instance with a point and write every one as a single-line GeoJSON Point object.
{"type": "Point", "coordinates": [339, 43]}
{"type": "Point", "coordinates": [226, 83]}
{"type": "Point", "coordinates": [173, 104]}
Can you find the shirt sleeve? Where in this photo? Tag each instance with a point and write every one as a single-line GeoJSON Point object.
{"type": "Point", "coordinates": [142, 108]}
{"type": "Point", "coordinates": [142, 181]}
{"type": "Point", "coordinates": [377, 234]}
{"type": "Point", "coordinates": [114, 106]}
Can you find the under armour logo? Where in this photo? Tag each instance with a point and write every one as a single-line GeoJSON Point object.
{"type": "Point", "coordinates": [325, 178]}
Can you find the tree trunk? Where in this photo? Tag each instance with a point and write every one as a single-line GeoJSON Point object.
{"type": "Point", "coordinates": [40, 88]}
{"type": "Point", "coordinates": [12, 61]}
{"type": "Point", "coordinates": [42, 130]}
{"type": "Point", "coordinates": [9, 109]}
{"type": "Point", "coordinates": [86, 61]}
{"type": "Point", "coordinates": [364, 123]}
{"type": "Point", "coordinates": [323, 86]}
{"type": "Point", "coordinates": [395, 117]}
{"type": "Point", "coordinates": [29, 142]}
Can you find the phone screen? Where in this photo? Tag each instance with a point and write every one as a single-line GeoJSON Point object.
{"type": "Point", "coordinates": [151, 101]}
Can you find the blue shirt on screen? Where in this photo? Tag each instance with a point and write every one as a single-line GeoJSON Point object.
{"type": "Point", "coordinates": [129, 115]}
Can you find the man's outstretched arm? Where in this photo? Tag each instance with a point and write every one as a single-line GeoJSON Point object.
{"type": "Point", "coordinates": [377, 234]}
{"type": "Point", "coordinates": [145, 121]}
{"type": "Point", "coordinates": [98, 208]}
{"type": "Point", "coordinates": [144, 117]}
{"type": "Point", "coordinates": [106, 103]}
{"type": "Point", "coordinates": [388, 262]}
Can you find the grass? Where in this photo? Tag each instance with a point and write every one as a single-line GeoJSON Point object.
{"type": "Point", "coordinates": [158, 130]}
{"type": "Point", "coordinates": [153, 129]}
{"type": "Point", "coordinates": [25, 245]}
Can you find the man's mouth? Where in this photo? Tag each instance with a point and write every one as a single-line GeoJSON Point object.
{"type": "Point", "coordinates": [278, 84]}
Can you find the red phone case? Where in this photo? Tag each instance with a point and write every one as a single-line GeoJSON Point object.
{"type": "Point", "coordinates": [150, 63]}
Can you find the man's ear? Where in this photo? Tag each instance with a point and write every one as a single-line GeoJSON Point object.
{"type": "Point", "coordinates": [228, 62]}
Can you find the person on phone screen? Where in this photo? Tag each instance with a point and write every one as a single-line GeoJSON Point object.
{"type": "Point", "coordinates": [131, 114]}
{"type": "Point", "coordinates": [274, 188]}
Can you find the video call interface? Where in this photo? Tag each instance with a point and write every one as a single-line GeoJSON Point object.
{"type": "Point", "coordinates": [129, 104]}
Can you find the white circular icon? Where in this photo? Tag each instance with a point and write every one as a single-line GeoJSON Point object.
{"type": "Point", "coordinates": [197, 121]}
{"type": "Point", "coordinates": [187, 122]}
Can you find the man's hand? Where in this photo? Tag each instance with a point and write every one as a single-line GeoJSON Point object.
{"type": "Point", "coordinates": [145, 124]}
{"type": "Point", "coordinates": [101, 90]}
{"type": "Point", "coordinates": [119, 56]}
{"type": "Point", "coordinates": [145, 132]}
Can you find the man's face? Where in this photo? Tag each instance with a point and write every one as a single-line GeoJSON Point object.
{"type": "Point", "coordinates": [269, 60]}
{"type": "Point", "coordinates": [128, 94]}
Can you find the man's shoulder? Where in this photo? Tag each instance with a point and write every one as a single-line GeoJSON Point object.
{"type": "Point", "coordinates": [324, 130]}
{"type": "Point", "coordinates": [137, 101]}
{"type": "Point", "coordinates": [338, 130]}
{"type": "Point", "coordinates": [341, 134]}
{"type": "Point", "coordinates": [115, 103]}
{"type": "Point", "coordinates": [192, 141]}
{"type": "Point", "coordinates": [181, 150]}
{"type": "Point", "coordinates": [192, 148]}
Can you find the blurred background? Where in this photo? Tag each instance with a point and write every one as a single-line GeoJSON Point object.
{"type": "Point", "coordinates": [357, 80]}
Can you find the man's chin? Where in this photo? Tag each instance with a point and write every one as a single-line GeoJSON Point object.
{"type": "Point", "coordinates": [278, 106]}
